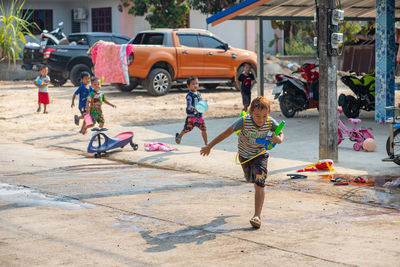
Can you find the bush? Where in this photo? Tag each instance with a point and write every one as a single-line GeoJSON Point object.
{"type": "Point", "coordinates": [13, 28]}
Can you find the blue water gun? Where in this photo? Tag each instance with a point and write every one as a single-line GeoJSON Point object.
{"type": "Point", "coordinates": [268, 144]}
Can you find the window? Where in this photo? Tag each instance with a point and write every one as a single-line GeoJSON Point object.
{"type": "Point", "coordinates": [42, 17]}
{"type": "Point", "coordinates": [79, 39]}
{"type": "Point", "coordinates": [120, 40]}
{"type": "Point", "coordinates": [211, 42]}
{"type": "Point", "coordinates": [101, 19]}
{"type": "Point", "coordinates": [189, 40]}
{"type": "Point", "coordinates": [149, 39]}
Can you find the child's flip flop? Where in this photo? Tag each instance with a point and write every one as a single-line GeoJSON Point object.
{"type": "Point", "coordinates": [359, 180]}
{"type": "Point", "coordinates": [338, 179]}
{"type": "Point", "coordinates": [342, 182]}
{"type": "Point", "coordinates": [297, 176]}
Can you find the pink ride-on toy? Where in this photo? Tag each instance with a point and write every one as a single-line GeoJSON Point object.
{"type": "Point", "coordinates": [355, 134]}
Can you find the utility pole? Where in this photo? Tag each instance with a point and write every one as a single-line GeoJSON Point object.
{"type": "Point", "coordinates": [328, 126]}
{"type": "Point", "coordinates": [260, 57]}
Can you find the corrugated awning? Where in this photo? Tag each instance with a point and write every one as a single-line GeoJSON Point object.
{"type": "Point", "coordinates": [294, 10]}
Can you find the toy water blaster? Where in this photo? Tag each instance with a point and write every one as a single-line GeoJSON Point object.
{"type": "Point", "coordinates": [268, 144]}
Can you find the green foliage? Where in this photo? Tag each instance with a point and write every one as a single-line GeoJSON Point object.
{"type": "Point", "coordinates": [300, 45]}
{"type": "Point", "coordinates": [212, 6]}
{"type": "Point", "coordinates": [13, 26]}
{"type": "Point", "coordinates": [352, 30]}
{"type": "Point", "coordinates": [160, 13]}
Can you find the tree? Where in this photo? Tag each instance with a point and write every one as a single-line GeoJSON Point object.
{"type": "Point", "coordinates": [13, 28]}
{"type": "Point", "coordinates": [212, 6]}
{"type": "Point", "coordinates": [160, 13]}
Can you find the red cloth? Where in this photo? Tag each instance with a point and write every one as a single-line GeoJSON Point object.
{"type": "Point", "coordinates": [43, 98]}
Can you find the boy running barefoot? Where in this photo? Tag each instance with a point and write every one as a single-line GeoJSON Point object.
{"type": "Point", "coordinates": [255, 125]}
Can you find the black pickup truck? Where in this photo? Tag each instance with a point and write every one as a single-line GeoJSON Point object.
{"type": "Point", "coordinates": [69, 60]}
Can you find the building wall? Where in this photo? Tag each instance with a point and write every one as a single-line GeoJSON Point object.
{"type": "Point", "coordinates": [231, 31]}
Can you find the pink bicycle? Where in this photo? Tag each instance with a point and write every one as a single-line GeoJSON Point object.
{"type": "Point", "coordinates": [355, 134]}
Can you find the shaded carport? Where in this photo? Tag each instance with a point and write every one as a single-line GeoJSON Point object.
{"type": "Point", "coordinates": [381, 11]}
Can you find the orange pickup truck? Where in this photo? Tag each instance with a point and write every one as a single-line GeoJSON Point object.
{"type": "Point", "coordinates": [167, 57]}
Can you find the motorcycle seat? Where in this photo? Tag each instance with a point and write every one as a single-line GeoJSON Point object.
{"type": "Point", "coordinates": [355, 121]}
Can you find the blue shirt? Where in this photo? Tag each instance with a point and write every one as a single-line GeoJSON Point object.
{"type": "Point", "coordinates": [191, 100]}
{"type": "Point", "coordinates": [83, 93]}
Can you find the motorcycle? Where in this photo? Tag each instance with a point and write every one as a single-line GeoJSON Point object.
{"type": "Point", "coordinates": [55, 37]}
{"type": "Point", "coordinates": [297, 95]}
{"type": "Point", "coordinates": [363, 88]}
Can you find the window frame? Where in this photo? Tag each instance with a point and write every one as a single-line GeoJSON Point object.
{"type": "Point", "coordinates": [190, 34]}
{"type": "Point", "coordinates": [101, 19]}
{"type": "Point", "coordinates": [34, 17]}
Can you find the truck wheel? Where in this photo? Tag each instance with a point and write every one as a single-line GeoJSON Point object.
{"type": "Point", "coordinates": [211, 86]}
{"type": "Point", "coordinates": [126, 88]}
{"type": "Point", "coordinates": [158, 82]}
{"type": "Point", "coordinates": [75, 75]}
{"type": "Point", "coordinates": [57, 78]}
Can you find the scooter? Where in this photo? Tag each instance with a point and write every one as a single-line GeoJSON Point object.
{"type": "Point", "coordinates": [55, 37]}
{"type": "Point", "coordinates": [105, 143]}
{"type": "Point", "coordinates": [363, 88]}
{"type": "Point", "coordinates": [393, 141]}
{"type": "Point", "coordinates": [296, 95]}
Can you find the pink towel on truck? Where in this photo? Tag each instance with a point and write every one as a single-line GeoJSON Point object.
{"type": "Point", "coordinates": [110, 61]}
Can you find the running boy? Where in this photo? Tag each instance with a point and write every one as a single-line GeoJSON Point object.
{"type": "Point", "coordinates": [253, 157]}
{"type": "Point", "coordinates": [95, 100]}
{"type": "Point", "coordinates": [83, 91]}
{"type": "Point", "coordinates": [42, 83]}
{"type": "Point", "coordinates": [194, 118]}
{"type": "Point", "coordinates": [246, 80]}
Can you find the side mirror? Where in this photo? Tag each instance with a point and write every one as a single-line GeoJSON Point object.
{"type": "Point", "coordinates": [225, 46]}
{"type": "Point", "coordinates": [60, 24]}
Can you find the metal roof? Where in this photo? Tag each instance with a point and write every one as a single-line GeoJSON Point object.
{"type": "Point", "coordinates": [295, 10]}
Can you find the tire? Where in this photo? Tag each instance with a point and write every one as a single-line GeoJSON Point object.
{"type": "Point", "coordinates": [211, 86]}
{"type": "Point", "coordinates": [57, 79]}
{"type": "Point", "coordinates": [158, 82]}
{"type": "Point", "coordinates": [396, 148]}
{"type": "Point", "coordinates": [286, 106]}
{"type": "Point", "coordinates": [126, 88]}
{"type": "Point", "coordinates": [75, 75]}
{"type": "Point", "coordinates": [351, 107]}
{"type": "Point", "coordinates": [239, 71]}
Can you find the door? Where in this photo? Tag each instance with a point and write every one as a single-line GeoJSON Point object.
{"type": "Point", "coordinates": [190, 56]}
{"type": "Point", "coordinates": [218, 62]}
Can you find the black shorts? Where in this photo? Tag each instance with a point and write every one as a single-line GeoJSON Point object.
{"type": "Point", "coordinates": [246, 98]}
{"type": "Point", "coordinates": [256, 170]}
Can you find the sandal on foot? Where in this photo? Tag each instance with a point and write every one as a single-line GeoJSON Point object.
{"type": "Point", "coordinates": [38, 110]}
{"type": "Point", "coordinates": [76, 119]}
{"type": "Point", "coordinates": [177, 139]}
{"type": "Point", "coordinates": [255, 222]}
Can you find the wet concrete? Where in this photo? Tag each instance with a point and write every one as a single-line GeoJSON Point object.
{"type": "Point", "coordinates": [118, 214]}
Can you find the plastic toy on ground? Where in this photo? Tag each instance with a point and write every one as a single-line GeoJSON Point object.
{"type": "Point", "coordinates": [323, 164]}
{"type": "Point", "coordinates": [369, 145]}
{"type": "Point", "coordinates": [158, 146]}
{"type": "Point", "coordinates": [356, 135]}
{"type": "Point", "coordinates": [295, 176]}
{"type": "Point", "coordinates": [105, 143]}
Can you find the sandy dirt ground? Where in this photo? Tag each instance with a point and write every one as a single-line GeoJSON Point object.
{"type": "Point", "coordinates": [71, 209]}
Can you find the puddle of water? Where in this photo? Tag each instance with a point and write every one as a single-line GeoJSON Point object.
{"type": "Point", "coordinates": [391, 182]}
{"type": "Point", "coordinates": [27, 197]}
